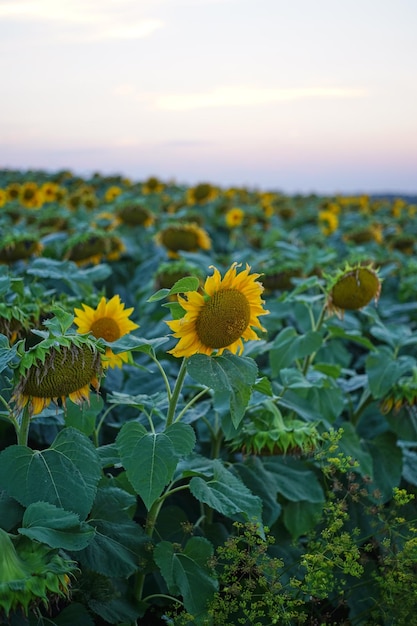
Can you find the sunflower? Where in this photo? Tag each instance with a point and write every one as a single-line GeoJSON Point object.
{"type": "Point", "coordinates": [133, 213]}
{"type": "Point", "coordinates": [3, 197]}
{"type": "Point", "coordinates": [112, 193]}
{"type": "Point", "coordinates": [66, 369]}
{"type": "Point", "coordinates": [234, 217]}
{"type": "Point", "coordinates": [328, 221]}
{"type": "Point", "coordinates": [152, 185]}
{"type": "Point", "coordinates": [31, 573]}
{"type": "Point", "coordinates": [221, 318]}
{"type": "Point", "coordinates": [201, 193]}
{"type": "Point", "coordinates": [352, 288]}
{"type": "Point", "coordinates": [31, 196]}
{"type": "Point", "coordinates": [109, 321]}
{"type": "Point", "coordinates": [188, 237]}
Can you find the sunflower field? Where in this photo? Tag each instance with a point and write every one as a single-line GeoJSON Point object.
{"type": "Point", "coordinates": [208, 405]}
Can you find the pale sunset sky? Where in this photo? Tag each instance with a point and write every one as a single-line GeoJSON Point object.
{"type": "Point", "coordinates": [297, 96]}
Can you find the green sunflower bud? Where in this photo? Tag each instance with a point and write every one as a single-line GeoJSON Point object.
{"type": "Point", "coordinates": [30, 573]}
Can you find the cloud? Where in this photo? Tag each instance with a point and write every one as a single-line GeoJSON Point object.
{"type": "Point", "coordinates": [249, 96]}
{"type": "Point", "coordinates": [107, 19]}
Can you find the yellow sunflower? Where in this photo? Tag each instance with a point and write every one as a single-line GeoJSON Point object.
{"type": "Point", "coordinates": [221, 318]}
{"type": "Point", "coordinates": [3, 197]}
{"type": "Point", "coordinates": [234, 217]}
{"type": "Point", "coordinates": [112, 193]}
{"type": "Point", "coordinates": [328, 221]}
{"type": "Point", "coordinates": [109, 321]}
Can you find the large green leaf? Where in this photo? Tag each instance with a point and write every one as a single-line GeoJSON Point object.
{"type": "Point", "coordinates": [7, 352]}
{"type": "Point", "coordinates": [351, 445]}
{"type": "Point", "coordinates": [118, 541]}
{"type": "Point", "coordinates": [387, 459]}
{"type": "Point", "coordinates": [57, 528]}
{"type": "Point", "coordinates": [227, 494]}
{"type": "Point", "coordinates": [226, 374]}
{"type": "Point", "coordinates": [294, 480]}
{"type": "Point", "coordinates": [66, 474]}
{"type": "Point", "coordinates": [289, 346]}
{"type": "Point", "coordinates": [84, 417]}
{"type": "Point", "coordinates": [384, 369]}
{"type": "Point", "coordinates": [186, 573]}
{"type": "Point", "coordinates": [150, 459]}
{"type": "Point", "coordinates": [301, 517]}
{"type": "Point", "coordinates": [11, 512]}
{"type": "Point", "coordinates": [261, 484]}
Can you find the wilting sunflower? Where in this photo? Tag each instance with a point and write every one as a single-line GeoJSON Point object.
{"type": "Point", "coordinates": [353, 288]}
{"type": "Point", "coordinates": [266, 432]}
{"type": "Point", "coordinates": [188, 237]}
{"type": "Point", "coordinates": [201, 193]}
{"type": "Point", "coordinates": [65, 369]}
{"type": "Point", "coordinates": [152, 185]}
{"type": "Point", "coordinates": [134, 213]}
{"type": "Point", "coordinates": [109, 321]}
{"type": "Point", "coordinates": [19, 247]}
{"type": "Point", "coordinates": [221, 318]}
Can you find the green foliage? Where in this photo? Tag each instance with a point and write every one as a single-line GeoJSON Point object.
{"type": "Point", "coordinates": [273, 487]}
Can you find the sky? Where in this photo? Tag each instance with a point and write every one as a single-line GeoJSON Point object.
{"type": "Point", "coordinates": [300, 96]}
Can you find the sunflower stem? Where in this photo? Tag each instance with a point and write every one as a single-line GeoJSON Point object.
{"type": "Point", "coordinates": [315, 327]}
{"type": "Point", "coordinates": [176, 392]}
{"type": "Point", "coordinates": [23, 431]}
{"type": "Point", "coordinates": [163, 374]}
{"type": "Point", "coordinates": [189, 404]}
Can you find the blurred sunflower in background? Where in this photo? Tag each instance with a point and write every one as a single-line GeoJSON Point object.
{"type": "Point", "coordinates": [188, 237]}
{"type": "Point", "coordinates": [328, 222]}
{"type": "Point", "coordinates": [222, 317]}
{"type": "Point", "coordinates": [109, 321]}
{"type": "Point", "coordinates": [234, 217]}
{"type": "Point", "coordinates": [201, 193]}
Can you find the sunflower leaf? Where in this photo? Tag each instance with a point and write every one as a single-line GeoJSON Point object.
{"type": "Point", "coordinates": [227, 374]}
{"type": "Point", "coordinates": [150, 459]}
{"type": "Point", "coordinates": [66, 474]}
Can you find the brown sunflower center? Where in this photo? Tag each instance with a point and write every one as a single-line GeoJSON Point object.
{"type": "Point", "coordinates": [63, 372]}
{"type": "Point", "coordinates": [105, 328]}
{"type": "Point", "coordinates": [223, 319]}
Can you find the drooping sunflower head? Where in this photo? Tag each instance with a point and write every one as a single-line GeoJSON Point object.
{"type": "Point", "coordinates": [134, 213]}
{"type": "Point", "coordinates": [152, 185]}
{"type": "Point", "coordinates": [87, 247]}
{"type": "Point", "coordinates": [19, 247]}
{"type": "Point", "coordinates": [353, 288]}
{"type": "Point", "coordinates": [187, 236]}
{"type": "Point", "coordinates": [65, 369]}
{"type": "Point", "coordinates": [266, 432]}
{"type": "Point", "coordinates": [220, 319]}
{"type": "Point", "coordinates": [31, 573]}
{"type": "Point", "coordinates": [201, 193]}
{"type": "Point", "coordinates": [108, 321]}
